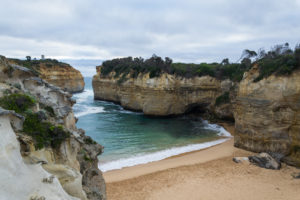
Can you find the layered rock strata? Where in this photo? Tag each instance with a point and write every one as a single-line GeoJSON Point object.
{"type": "Point", "coordinates": [59, 74]}
{"type": "Point", "coordinates": [267, 115]}
{"type": "Point", "coordinates": [160, 96]}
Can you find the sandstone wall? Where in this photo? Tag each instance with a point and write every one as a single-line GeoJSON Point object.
{"type": "Point", "coordinates": [267, 115]}
{"type": "Point", "coordinates": [63, 76]}
{"type": "Point", "coordinates": [161, 96]}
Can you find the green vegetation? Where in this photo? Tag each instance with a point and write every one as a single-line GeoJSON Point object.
{"type": "Point", "coordinates": [35, 64]}
{"type": "Point", "coordinates": [222, 99]}
{"type": "Point", "coordinates": [17, 102]}
{"type": "Point", "coordinates": [49, 109]}
{"type": "Point", "coordinates": [280, 60]}
{"type": "Point", "coordinates": [44, 133]}
{"type": "Point", "coordinates": [89, 140]}
{"type": "Point", "coordinates": [156, 65]}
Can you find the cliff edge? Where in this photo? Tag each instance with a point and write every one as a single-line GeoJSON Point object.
{"type": "Point", "coordinates": [57, 73]}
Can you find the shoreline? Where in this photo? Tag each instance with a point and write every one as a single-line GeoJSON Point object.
{"type": "Point", "coordinates": [188, 158]}
{"type": "Point", "coordinates": [208, 174]}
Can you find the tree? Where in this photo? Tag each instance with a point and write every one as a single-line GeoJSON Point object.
{"type": "Point", "coordinates": [28, 58]}
{"type": "Point", "coordinates": [225, 61]}
{"type": "Point", "coordinates": [248, 54]}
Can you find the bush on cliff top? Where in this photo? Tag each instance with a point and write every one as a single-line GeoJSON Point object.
{"type": "Point", "coordinates": [156, 65]}
{"type": "Point", "coordinates": [280, 60]}
{"type": "Point", "coordinates": [35, 64]}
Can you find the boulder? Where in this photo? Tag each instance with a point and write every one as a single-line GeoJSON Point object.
{"type": "Point", "coordinates": [264, 160]}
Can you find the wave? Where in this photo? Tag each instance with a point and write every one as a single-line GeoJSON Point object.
{"type": "Point", "coordinates": [83, 96]}
{"type": "Point", "coordinates": [221, 130]}
{"type": "Point", "coordinates": [87, 110]}
{"type": "Point", "coordinates": [156, 156]}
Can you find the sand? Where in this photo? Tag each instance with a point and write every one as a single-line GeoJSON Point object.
{"type": "Point", "coordinates": [207, 174]}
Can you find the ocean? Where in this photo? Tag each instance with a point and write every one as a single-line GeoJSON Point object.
{"type": "Point", "coordinates": [131, 138]}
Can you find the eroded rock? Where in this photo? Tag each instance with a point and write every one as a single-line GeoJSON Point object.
{"type": "Point", "coordinates": [264, 160]}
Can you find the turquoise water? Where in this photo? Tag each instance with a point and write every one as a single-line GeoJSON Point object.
{"type": "Point", "coordinates": [131, 138]}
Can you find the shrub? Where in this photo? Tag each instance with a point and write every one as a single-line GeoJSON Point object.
{"type": "Point", "coordinates": [44, 134]}
{"type": "Point", "coordinates": [222, 99]}
{"type": "Point", "coordinates": [89, 140]}
{"type": "Point", "coordinates": [50, 110]}
{"type": "Point", "coordinates": [17, 102]}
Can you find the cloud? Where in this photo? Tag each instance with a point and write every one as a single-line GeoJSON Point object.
{"type": "Point", "coordinates": [190, 30]}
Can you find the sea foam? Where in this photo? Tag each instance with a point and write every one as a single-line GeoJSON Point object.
{"type": "Point", "coordinates": [156, 156]}
{"type": "Point", "coordinates": [87, 110]}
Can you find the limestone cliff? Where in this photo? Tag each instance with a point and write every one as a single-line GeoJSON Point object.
{"type": "Point", "coordinates": [161, 96]}
{"type": "Point", "coordinates": [66, 165]}
{"type": "Point", "coordinates": [267, 115]}
{"type": "Point", "coordinates": [57, 73]}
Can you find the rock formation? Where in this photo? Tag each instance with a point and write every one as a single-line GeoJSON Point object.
{"type": "Point", "coordinates": [64, 170]}
{"type": "Point", "coordinates": [266, 112]}
{"type": "Point", "coordinates": [57, 73]}
{"type": "Point", "coordinates": [267, 115]}
{"type": "Point", "coordinates": [161, 96]}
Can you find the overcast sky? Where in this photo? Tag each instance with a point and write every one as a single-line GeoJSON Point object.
{"type": "Point", "coordinates": [185, 30]}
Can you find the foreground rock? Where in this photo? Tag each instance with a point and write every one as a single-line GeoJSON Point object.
{"type": "Point", "coordinates": [57, 73]}
{"type": "Point", "coordinates": [161, 96]}
{"type": "Point", "coordinates": [267, 115]}
{"type": "Point", "coordinates": [48, 169]}
{"type": "Point", "coordinates": [264, 160]}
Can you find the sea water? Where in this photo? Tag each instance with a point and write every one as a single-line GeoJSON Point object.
{"type": "Point", "coordinates": [131, 138]}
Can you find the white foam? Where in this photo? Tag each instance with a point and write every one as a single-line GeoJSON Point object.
{"type": "Point", "coordinates": [87, 110]}
{"type": "Point", "coordinates": [160, 155]}
{"type": "Point", "coordinates": [221, 130]}
{"type": "Point", "coordinates": [83, 96]}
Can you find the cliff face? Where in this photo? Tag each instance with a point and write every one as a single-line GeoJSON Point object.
{"type": "Point", "coordinates": [161, 96]}
{"type": "Point", "coordinates": [59, 74]}
{"type": "Point", "coordinates": [65, 171]}
{"type": "Point", "coordinates": [267, 115]}
{"type": "Point", "coordinates": [63, 76]}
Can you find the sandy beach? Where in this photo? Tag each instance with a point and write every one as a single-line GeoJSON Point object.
{"type": "Point", "coordinates": [206, 174]}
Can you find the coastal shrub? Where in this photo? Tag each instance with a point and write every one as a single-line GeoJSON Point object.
{"type": "Point", "coordinates": [44, 134]}
{"type": "Point", "coordinates": [48, 109]}
{"type": "Point", "coordinates": [17, 102]}
{"type": "Point", "coordinates": [89, 140]}
{"type": "Point", "coordinates": [222, 99]}
{"type": "Point", "coordinates": [155, 66]}
{"type": "Point", "coordinates": [280, 60]}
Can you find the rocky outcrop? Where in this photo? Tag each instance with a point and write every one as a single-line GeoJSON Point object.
{"type": "Point", "coordinates": [57, 73]}
{"type": "Point", "coordinates": [267, 115]}
{"type": "Point", "coordinates": [161, 96]}
{"type": "Point", "coordinates": [65, 171]}
{"type": "Point", "coordinates": [265, 160]}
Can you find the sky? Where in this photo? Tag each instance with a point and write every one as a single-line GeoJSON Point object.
{"type": "Point", "coordinates": [184, 30]}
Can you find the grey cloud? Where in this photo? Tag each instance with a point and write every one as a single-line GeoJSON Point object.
{"type": "Point", "coordinates": [189, 30]}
